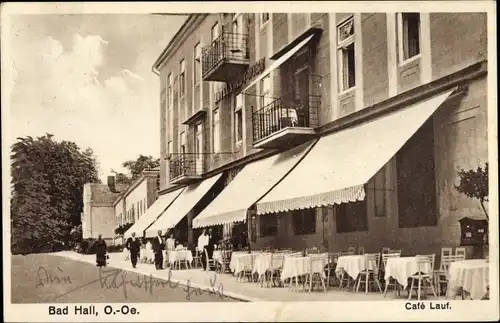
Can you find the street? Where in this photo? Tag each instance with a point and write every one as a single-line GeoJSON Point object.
{"type": "Point", "coordinates": [44, 278]}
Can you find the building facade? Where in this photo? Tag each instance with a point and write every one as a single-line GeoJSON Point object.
{"type": "Point", "coordinates": [136, 198]}
{"type": "Point", "coordinates": [236, 88]}
{"type": "Point", "coordinates": [98, 212]}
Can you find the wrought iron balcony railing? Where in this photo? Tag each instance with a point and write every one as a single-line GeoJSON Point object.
{"type": "Point", "coordinates": [186, 166]}
{"type": "Point", "coordinates": [278, 115]}
{"type": "Point", "coordinates": [226, 47]}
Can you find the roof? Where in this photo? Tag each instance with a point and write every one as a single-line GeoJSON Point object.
{"type": "Point", "coordinates": [100, 193]}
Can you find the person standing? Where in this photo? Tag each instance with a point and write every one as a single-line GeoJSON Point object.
{"type": "Point", "coordinates": [158, 247]}
{"type": "Point", "coordinates": [202, 244]}
{"type": "Point", "coordinates": [100, 251]}
{"type": "Point", "coordinates": [211, 244]}
{"type": "Point", "coordinates": [134, 247]}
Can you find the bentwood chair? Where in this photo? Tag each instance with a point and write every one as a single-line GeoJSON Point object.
{"type": "Point", "coordinates": [197, 263]}
{"type": "Point", "coordinates": [210, 262]}
{"type": "Point", "coordinates": [370, 259]}
{"type": "Point", "coordinates": [424, 262]}
{"type": "Point", "coordinates": [317, 261]}
{"type": "Point", "coordinates": [391, 281]}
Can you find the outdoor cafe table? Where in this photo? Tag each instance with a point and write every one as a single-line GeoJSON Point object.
{"type": "Point", "coordinates": [402, 268]}
{"type": "Point", "coordinates": [267, 261]}
{"type": "Point", "coordinates": [353, 265]}
{"type": "Point", "coordinates": [180, 255]}
{"type": "Point", "coordinates": [470, 275]}
{"type": "Point", "coordinates": [299, 266]}
{"type": "Point", "coordinates": [241, 260]}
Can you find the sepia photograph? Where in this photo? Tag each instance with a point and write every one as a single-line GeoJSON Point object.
{"type": "Point", "coordinates": [247, 160]}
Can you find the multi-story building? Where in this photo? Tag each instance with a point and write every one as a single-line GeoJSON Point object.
{"type": "Point", "coordinates": [330, 129]}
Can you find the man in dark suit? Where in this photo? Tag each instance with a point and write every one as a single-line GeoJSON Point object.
{"type": "Point", "coordinates": [158, 247]}
{"type": "Point", "coordinates": [211, 244]}
{"type": "Point", "coordinates": [134, 247]}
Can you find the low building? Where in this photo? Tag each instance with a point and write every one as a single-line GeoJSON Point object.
{"type": "Point", "coordinates": [136, 198]}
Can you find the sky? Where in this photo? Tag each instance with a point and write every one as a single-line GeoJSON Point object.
{"type": "Point", "coordinates": [88, 79]}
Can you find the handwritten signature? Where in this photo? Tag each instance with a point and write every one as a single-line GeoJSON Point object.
{"type": "Point", "coordinates": [46, 277]}
{"type": "Point", "coordinates": [115, 279]}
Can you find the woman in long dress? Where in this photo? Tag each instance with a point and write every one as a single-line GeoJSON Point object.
{"type": "Point", "coordinates": [100, 254]}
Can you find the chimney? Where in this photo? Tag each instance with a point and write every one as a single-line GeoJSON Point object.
{"type": "Point", "coordinates": [111, 184]}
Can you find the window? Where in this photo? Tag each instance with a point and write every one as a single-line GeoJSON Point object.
{"type": "Point", "coordinates": [351, 217]}
{"type": "Point", "coordinates": [264, 17]}
{"type": "Point", "coordinates": [268, 225]}
{"type": "Point", "coordinates": [379, 189]}
{"type": "Point", "coordinates": [265, 90]}
{"type": "Point", "coordinates": [170, 121]}
{"type": "Point", "coordinates": [182, 78]}
{"type": "Point", "coordinates": [304, 221]}
{"type": "Point", "coordinates": [416, 183]}
{"type": "Point", "coordinates": [216, 131]}
{"type": "Point", "coordinates": [238, 119]}
{"type": "Point", "coordinates": [346, 55]}
{"type": "Point", "coordinates": [215, 31]}
{"type": "Point", "coordinates": [197, 64]}
{"type": "Point", "coordinates": [409, 35]}
{"type": "Point", "coordinates": [170, 149]}
{"type": "Point", "coordinates": [182, 147]}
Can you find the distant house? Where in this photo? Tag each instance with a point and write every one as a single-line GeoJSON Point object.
{"type": "Point", "coordinates": [135, 199]}
{"type": "Point", "coordinates": [98, 216]}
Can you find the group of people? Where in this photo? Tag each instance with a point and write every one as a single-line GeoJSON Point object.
{"type": "Point", "coordinates": [206, 242]}
{"type": "Point", "coordinates": [157, 244]}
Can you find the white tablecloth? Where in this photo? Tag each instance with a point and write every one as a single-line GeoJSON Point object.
{"type": "Point", "coordinates": [242, 260]}
{"type": "Point", "coordinates": [471, 275]}
{"type": "Point", "coordinates": [176, 255]}
{"type": "Point", "coordinates": [298, 266]}
{"type": "Point", "coordinates": [401, 268]}
{"type": "Point", "coordinates": [353, 265]}
{"type": "Point", "coordinates": [267, 261]}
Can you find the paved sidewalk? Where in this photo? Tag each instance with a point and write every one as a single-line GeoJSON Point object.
{"type": "Point", "coordinates": [245, 291]}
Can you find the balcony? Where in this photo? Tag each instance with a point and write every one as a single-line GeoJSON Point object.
{"type": "Point", "coordinates": [280, 124]}
{"type": "Point", "coordinates": [225, 58]}
{"type": "Point", "coordinates": [186, 168]}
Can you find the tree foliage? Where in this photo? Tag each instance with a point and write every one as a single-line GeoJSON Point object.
{"type": "Point", "coordinates": [135, 168]}
{"type": "Point", "coordinates": [47, 190]}
{"type": "Point", "coordinates": [474, 184]}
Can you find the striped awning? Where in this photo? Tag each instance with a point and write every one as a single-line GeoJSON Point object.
{"type": "Point", "coordinates": [189, 197]}
{"type": "Point", "coordinates": [338, 166]}
{"type": "Point", "coordinates": [251, 183]}
{"type": "Point", "coordinates": [153, 212]}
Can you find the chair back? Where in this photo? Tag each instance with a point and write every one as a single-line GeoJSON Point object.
{"type": "Point", "coordinates": [385, 250]}
{"type": "Point", "coordinates": [460, 251]}
{"type": "Point", "coordinates": [425, 261]}
{"type": "Point", "coordinates": [395, 251]}
{"type": "Point", "coordinates": [351, 250]}
{"type": "Point", "coordinates": [446, 252]}
{"type": "Point", "coordinates": [386, 256]}
{"type": "Point", "coordinates": [312, 250]}
{"type": "Point", "coordinates": [318, 261]}
{"type": "Point", "coordinates": [447, 260]}
{"type": "Point", "coordinates": [372, 258]}
{"type": "Point", "coordinates": [361, 250]}
{"type": "Point", "coordinates": [277, 261]}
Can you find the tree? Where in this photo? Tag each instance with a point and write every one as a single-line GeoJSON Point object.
{"type": "Point", "coordinates": [135, 168]}
{"type": "Point", "coordinates": [474, 184]}
{"type": "Point", "coordinates": [47, 190]}
{"type": "Point", "coordinates": [121, 178]}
